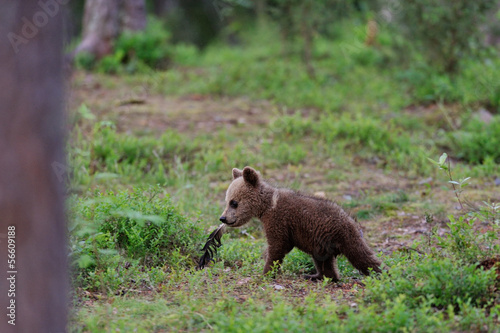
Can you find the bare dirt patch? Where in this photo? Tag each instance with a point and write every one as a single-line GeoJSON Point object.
{"type": "Point", "coordinates": [134, 109]}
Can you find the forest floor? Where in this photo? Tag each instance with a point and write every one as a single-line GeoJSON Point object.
{"type": "Point", "coordinates": [395, 208]}
{"type": "Point", "coordinates": [135, 109]}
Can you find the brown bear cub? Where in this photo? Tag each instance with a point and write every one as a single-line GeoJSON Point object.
{"type": "Point", "coordinates": [316, 226]}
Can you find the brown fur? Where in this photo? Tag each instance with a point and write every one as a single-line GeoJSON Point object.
{"type": "Point", "coordinates": [316, 226]}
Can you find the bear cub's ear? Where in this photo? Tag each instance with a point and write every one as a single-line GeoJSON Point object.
{"type": "Point", "coordinates": [251, 176]}
{"type": "Point", "coordinates": [237, 173]}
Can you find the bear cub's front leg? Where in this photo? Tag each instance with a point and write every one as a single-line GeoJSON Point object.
{"type": "Point", "coordinates": [274, 256]}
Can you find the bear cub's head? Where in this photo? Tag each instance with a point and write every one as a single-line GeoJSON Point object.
{"type": "Point", "coordinates": [243, 199]}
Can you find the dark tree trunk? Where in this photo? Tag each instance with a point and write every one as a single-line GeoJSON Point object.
{"type": "Point", "coordinates": [32, 222]}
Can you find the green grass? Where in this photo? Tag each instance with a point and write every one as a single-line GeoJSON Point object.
{"type": "Point", "coordinates": [225, 301]}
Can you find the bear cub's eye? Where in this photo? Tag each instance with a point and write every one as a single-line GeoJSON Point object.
{"type": "Point", "coordinates": [233, 204]}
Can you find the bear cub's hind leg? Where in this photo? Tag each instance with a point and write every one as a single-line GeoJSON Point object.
{"type": "Point", "coordinates": [325, 268]}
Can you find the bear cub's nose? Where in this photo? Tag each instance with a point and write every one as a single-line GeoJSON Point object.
{"type": "Point", "coordinates": [223, 219]}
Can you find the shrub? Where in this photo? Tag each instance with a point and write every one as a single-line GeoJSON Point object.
{"type": "Point", "coordinates": [428, 86]}
{"type": "Point", "coordinates": [85, 60]}
{"type": "Point", "coordinates": [447, 29]}
{"type": "Point", "coordinates": [465, 243]}
{"type": "Point", "coordinates": [141, 226]}
{"type": "Point", "coordinates": [477, 141]}
{"type": "Point", "coordinates": [441, 282]}
{"type": "Point", "coordinates": [141, 223]}
{"type": "Point", "coordinates": [139, 50]}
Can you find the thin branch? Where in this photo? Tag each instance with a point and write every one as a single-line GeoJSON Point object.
{"type": "Point", "coordinates": [452, 184]}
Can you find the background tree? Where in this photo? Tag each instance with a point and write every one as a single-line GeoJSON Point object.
{"type": "Point", "coordinates": [104, 20]}
{"type": "Point", "coordinates": [195, 21]}
{"type": "Point", "coordinates": [446, 30]}
{"type": "Point", "coordinates": [300, 21]}
{"type": "Point", "coordinates": [31, 146]}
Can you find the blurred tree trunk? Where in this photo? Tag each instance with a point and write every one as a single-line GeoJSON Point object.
{"type": "Point", "coordinates": [31, 163]}
{"type": "Point", "coordinates": [134, 15]}
{"type": "Point", "coordinates": [161, 7]}
{"type": "Point", "coordinates": [100, 27]}
{"type": "Point", "coordinates": [307, 33]}
{"type": "Point", "coordinates": [102, 24]}
{"type": "Point", "coordinates": [260, 11]}
{"type": "Point", "coordinates": [492, 27]}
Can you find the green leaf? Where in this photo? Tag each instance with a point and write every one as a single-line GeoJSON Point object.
{"type": "Point", "coordinates": [435, 162]}
{"type": "Point", "coordinates": [108, 251]}
{"type": "Point", "coordinates": [464, 181]}
{"type": "Point", "coordinates": [105, 175]}
{"type": "Point", "coordinates": [139, 217]}
{"type": "Point", "coordinates": [85, 261]}
{"type": "Point", "coordinates": [85, 112]}
{"type": "Point", "coordinates": [442, 159]}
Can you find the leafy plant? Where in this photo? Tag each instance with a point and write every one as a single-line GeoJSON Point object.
{"type": "Point", "coordinates": [463, 241]}
{"type": "Point", "coordinates": [442, 282]}
{"type": "Point", "coordinates": [139, 51]}
{"type": "Point", "coordinates": [477, 141]}
{"type": "Point", "coordinates": [444, 164]}
{"type": "Point", "coordinates": [85, 60]}
{"type": "Point", "coordinates": [141, 226]}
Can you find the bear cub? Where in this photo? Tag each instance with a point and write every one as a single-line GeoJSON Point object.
{"type": "Point", "coordinates": [316, 226]}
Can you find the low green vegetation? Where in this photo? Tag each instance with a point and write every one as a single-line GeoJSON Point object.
{"type": "Point", "coordinates": [133, 52]}
{"type": "Point", "coordinates": [477, 141]}
{"type": "Point", "coordinates": [116, 235]}
{"type": "Point", "coordinates": [143, 198]}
